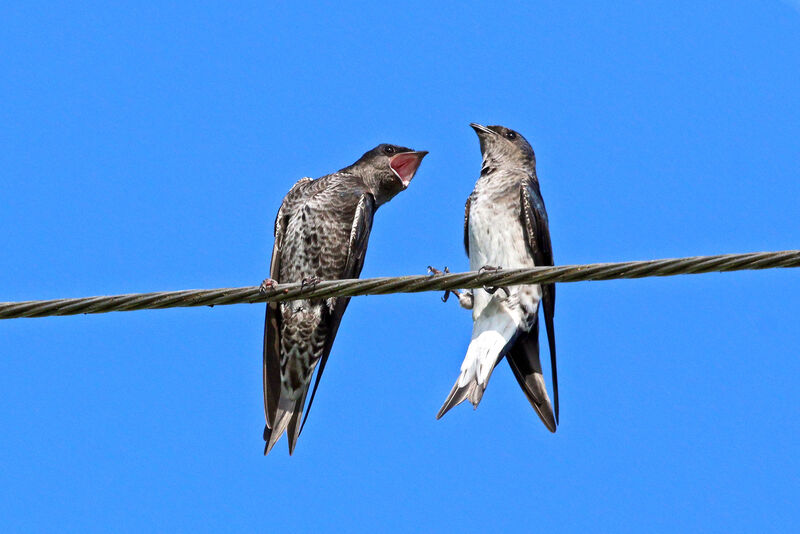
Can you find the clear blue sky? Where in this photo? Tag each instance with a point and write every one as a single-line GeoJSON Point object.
{"type": "Point", "coordinates": [148, 148]}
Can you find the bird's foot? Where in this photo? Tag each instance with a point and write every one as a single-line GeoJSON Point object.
{"type": "Point", "coordinates": [311, 282]}
{"type": "Point", "coordinates": [492, 290]}
{"type": "Point", "coordinates": [433, 271]}
{"type": "Point", "coordinates": [266, 285]}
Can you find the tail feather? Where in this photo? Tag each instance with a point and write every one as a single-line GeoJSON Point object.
{"type": "Point", "coordinates": [287, 416]}
{"type": "Point", "coordinates": [491, 335]}
{"type": "Point", "coordinates": [476, 393]}
{"type": "Point", "coordinates": [459, 394]}
{"type": "Point", "coordinates": [484, 352]}
{"type": "Point", "coordinates": [293, 430]}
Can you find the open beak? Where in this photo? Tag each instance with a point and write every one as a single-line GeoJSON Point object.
{"type": "Point", "coordinates": [405, 165]}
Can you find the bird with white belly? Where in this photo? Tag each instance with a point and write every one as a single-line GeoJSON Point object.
{"type": "Point", "coordinates": [505, 225]}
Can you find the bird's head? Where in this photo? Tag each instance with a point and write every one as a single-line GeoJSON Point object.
{"type": "Point", "coordinates": [388, 169]}
{"type": "Point", "coordinates": [504, 146]}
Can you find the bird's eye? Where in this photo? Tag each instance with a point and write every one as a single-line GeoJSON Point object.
{"type": "Point", "coordinates": [389, 150]}
{"type": "Point", "coordinates": [511, 135]}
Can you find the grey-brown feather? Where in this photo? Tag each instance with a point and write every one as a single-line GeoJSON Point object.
{"type": "Point", "coordinates": [523, 358]}
{"type": "Point", "coordinates": [272, 320]}
{"type": "Point", "coordinates": [321, 232]}
{"type": "Point", "coordinates": [318, 235]}
{"type": "Point", "coordinates": [537, 232]}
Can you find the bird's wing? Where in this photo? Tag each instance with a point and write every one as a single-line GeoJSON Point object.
{"type": "Point", "coordinates": [466, 224]}
{"type": "Point", "coordinates": [356, 251]}
{"type": "Point", "coordinates": [537, 233]}
{"type": "Point", "coordinates": [523, 358]}
{"type": "Point", "coordinates": [272, 321]}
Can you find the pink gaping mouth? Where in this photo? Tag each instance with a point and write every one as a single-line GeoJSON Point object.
{"type": "Point", "coordinates": [405, 165]}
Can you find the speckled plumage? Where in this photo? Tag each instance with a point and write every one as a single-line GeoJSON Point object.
{"type": "Point", "coordinates": [505, 225]}
{"type": "Point", "coordinates": [318, 222]}
{"type": "Point", "coordinates": [321, 232]}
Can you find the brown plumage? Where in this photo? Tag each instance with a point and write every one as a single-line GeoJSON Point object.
{"type": "Point", "coordinates": [321, 233]}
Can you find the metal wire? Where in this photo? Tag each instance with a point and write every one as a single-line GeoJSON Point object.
{"type": "Point", "coordinates": [402, 284]}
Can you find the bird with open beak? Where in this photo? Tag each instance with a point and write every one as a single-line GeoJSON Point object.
{"type": "Point", "coordinates": [321, 233]}
{"type": "Point", "coordinates": [505, 226]}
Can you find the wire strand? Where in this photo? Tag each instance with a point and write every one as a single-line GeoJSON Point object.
{"type": "Point", "coordinates": [402, 284]}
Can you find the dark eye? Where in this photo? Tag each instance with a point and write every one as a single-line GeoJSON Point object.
{"type": "Point", "coordinates": [389, 150]}
{"type": "Point", "coordinates": [511, 135]}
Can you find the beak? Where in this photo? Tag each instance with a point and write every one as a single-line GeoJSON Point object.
{"type": "Point", "coordinates": [480, 129]}
{"type": "Point", "coordinates": [405, 164]}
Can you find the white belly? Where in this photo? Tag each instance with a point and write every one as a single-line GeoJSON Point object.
{"type": "Point", "coordinates": [498, 245]}
{"type": "Point", "coordinates": [501, 245]}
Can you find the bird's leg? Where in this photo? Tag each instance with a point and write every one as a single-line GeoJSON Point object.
{"type": "Point", "coordinates": [311, 281]}
{"type": "Point", "coordinates": [464, 296]}
{"type": "Point", "coordinates": [492, 290]}
{"type": "Point", "coordinates": [433, 271]}
{"type": "Point", "coordinates": [267, 284]}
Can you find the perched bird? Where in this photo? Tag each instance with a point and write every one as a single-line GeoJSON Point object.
{"type": "Point", "coordinates": [505, 225]}
{"type": "Point", "coordinates": [321, 232]}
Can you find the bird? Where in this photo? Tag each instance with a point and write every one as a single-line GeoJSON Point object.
{"type": "Point", "coordinates": [506, 226]}
{"type": "Point", "coordinates": [321, 232]}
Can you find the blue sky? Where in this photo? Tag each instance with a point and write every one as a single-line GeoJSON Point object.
{"type": "Point", "coordinates": [148, 148]}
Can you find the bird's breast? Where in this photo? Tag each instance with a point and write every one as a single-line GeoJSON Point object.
{"type": "Point", "coordinates": [497, 239]}
{"type": "Point", "coordinates": [316, 242]}
{"type": "Point", "coordinates": [496, 236]}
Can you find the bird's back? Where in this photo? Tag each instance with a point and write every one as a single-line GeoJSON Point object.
{"type": "Point", "coordinates": [319, 220]}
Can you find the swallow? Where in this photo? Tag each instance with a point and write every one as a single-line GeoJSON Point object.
{"type": "Point", "coordinates": [321, 233]}
{"type": "Point", "coordinates": [505, 225]}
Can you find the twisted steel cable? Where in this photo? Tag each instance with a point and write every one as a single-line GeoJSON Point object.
{"type": "Point", "coordinates": [402, 284]}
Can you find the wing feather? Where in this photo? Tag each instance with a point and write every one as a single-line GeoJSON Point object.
{"type": "Point", "coordinates": [466, 224]}
{"type": "Point", "coordinates": [271, 373]}
{"type": "Point", "coordinates": [523, 358]}
{"type": "Point", "coordinates": [537, 232]}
